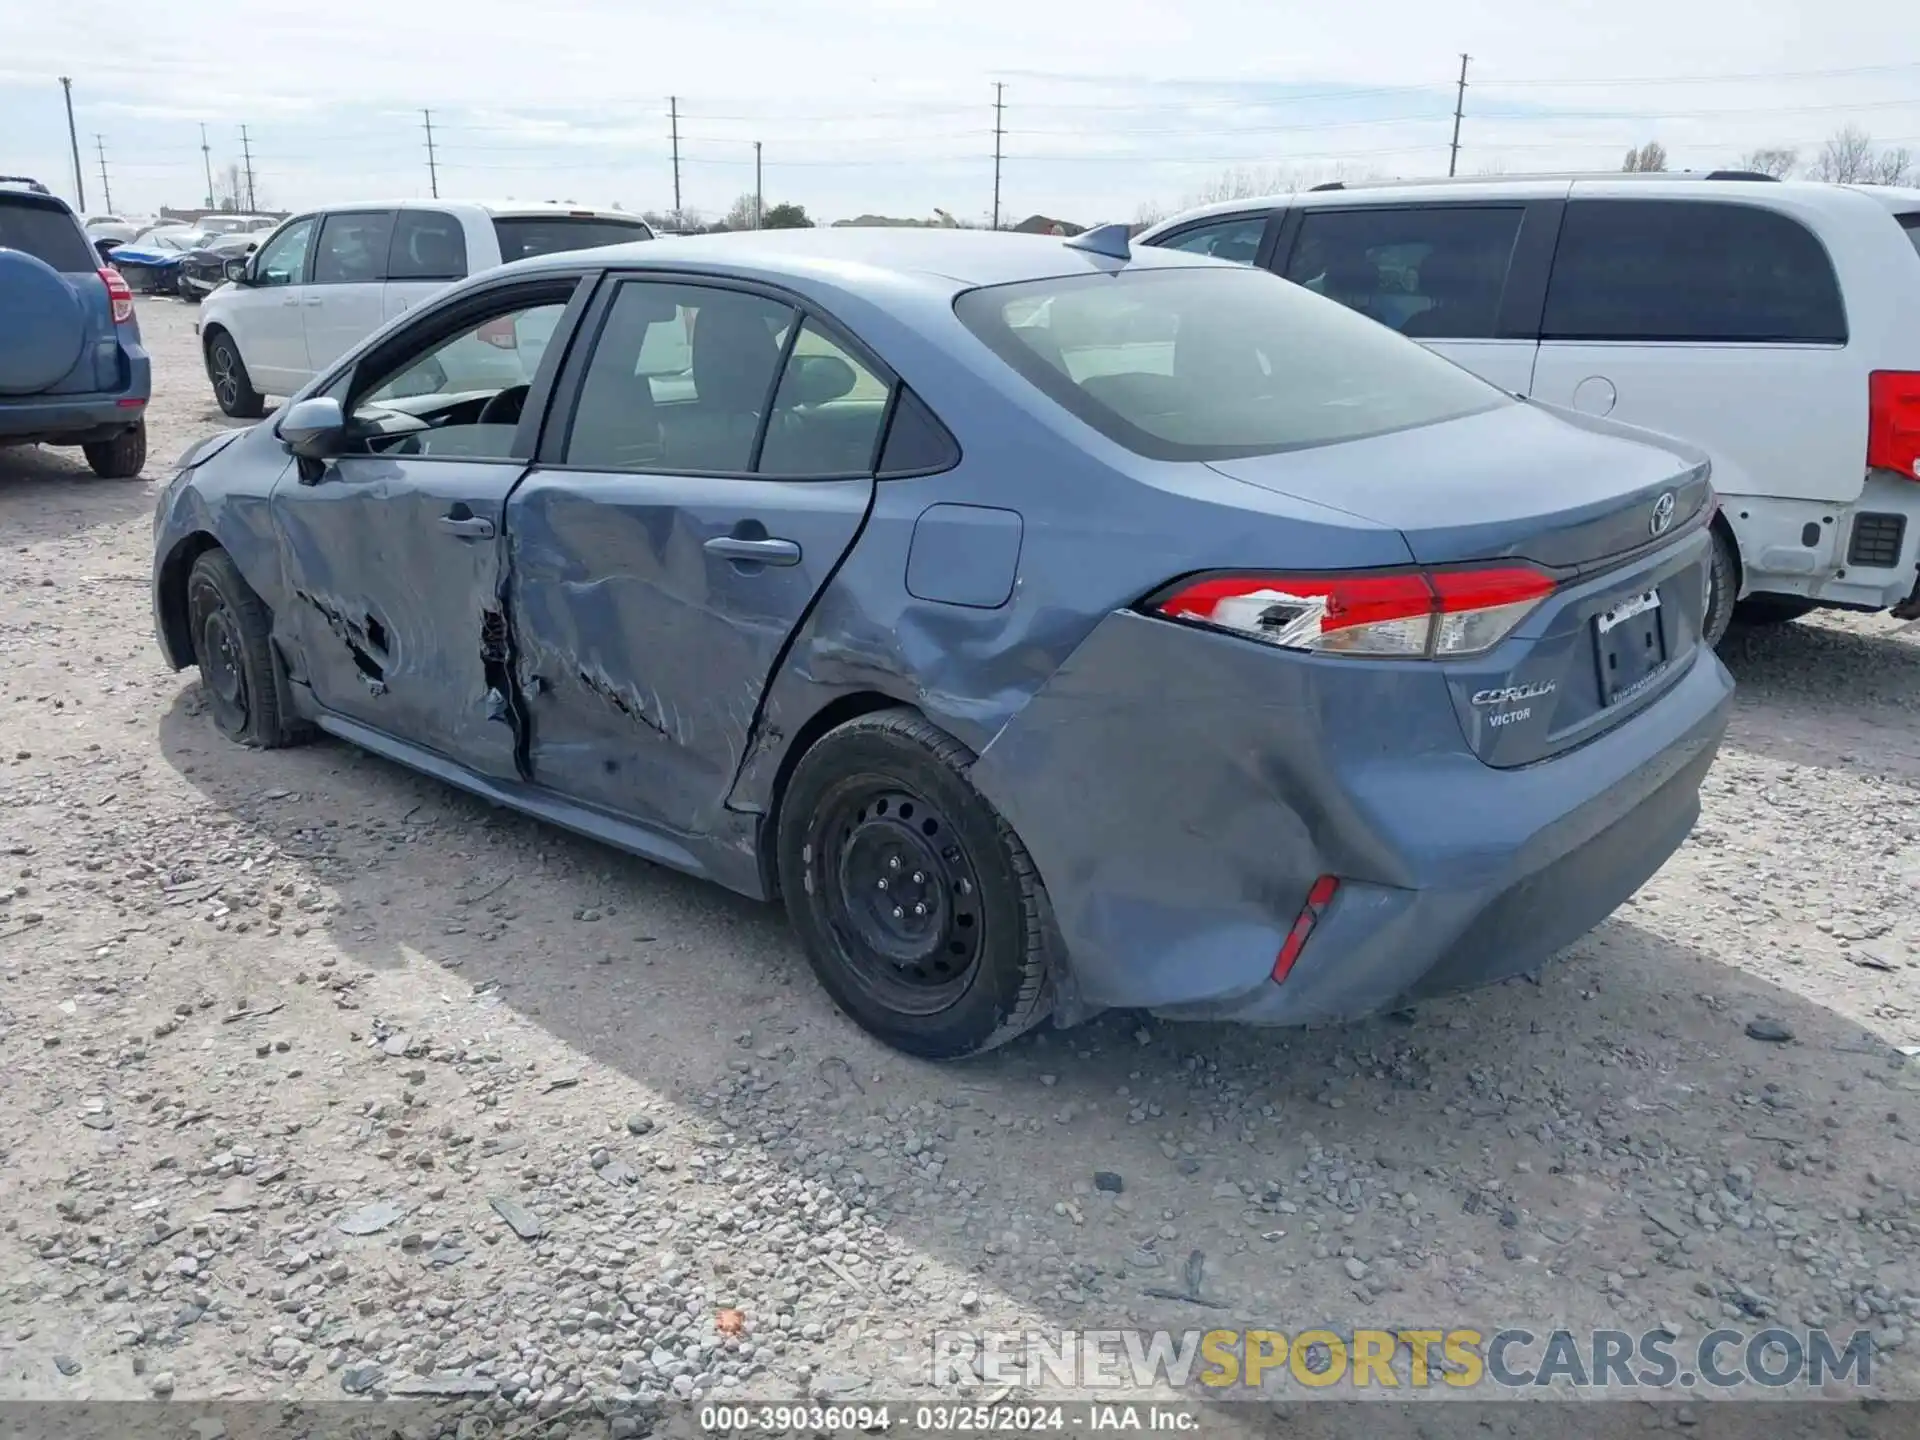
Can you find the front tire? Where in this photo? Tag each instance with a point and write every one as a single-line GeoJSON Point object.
{"type": "Point", "coordinates": [918, 907]}
{"type": "Point", "coordinates": [232, 633]}
{"type": "Point", "coordinates": [121, 458]}
{"type": "Point", "coordinates": [232, 387]}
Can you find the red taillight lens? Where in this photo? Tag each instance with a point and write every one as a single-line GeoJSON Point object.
{"type": "Point", "coordinates": [119, 292]}
{"type": "Point", "coordinates": [1318, 898]}
{"type": "Point", "coordinates": [1893, 421]}
{"type": "Point", "coordinates": [1412, 614]}
{"type": "Point", "coordinates": [500, 334]}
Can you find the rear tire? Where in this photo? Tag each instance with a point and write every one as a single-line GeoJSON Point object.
{"type": "Point", "coordinates": [1723, 585]}
{"type": "Point", "coordinates": [1772, 609]}
{"type": "Point", "coordinates": [918, 907]}
{"type": "Point", "coordinates": [232, 633]}
{"type": "Point", "coordinates": [120, 458]}
{"type": "Point", "coordinates": [232, 386]}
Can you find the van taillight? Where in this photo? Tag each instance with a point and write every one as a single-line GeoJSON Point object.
{"type": "Point", "coordinates": [1893, 421]}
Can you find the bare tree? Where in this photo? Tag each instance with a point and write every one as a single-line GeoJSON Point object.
{"type": "Point", "coordinates": [1151, 212]}
{"type": "Point", "coordinates": [1846, 159]}
{"type": "Point", "coordinates": [1247, 182]}
{"type": "Point", "coordinates": [1891, 167]}
{"type": "Point", "coordinates": [740, 215]}
{"type": "Point", "coordinates": [1647, 159]}
{"type": "Point", "coordinates": [1775, 160]}
{"type": "Point", "coordinates": [230, 188]}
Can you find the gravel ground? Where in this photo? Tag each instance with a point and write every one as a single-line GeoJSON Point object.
{"type": "Point", "coordinates": [320, 1077]}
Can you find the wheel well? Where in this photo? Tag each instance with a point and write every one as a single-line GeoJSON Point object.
{"type": "Point", "coordinates": [207, 337]}
{"type": "Point", "coordinates": [830, 716]}
{"type": "Point", "coordinates": [1721, 524]}
{"type": "Point", "coordinates": [172, 586]}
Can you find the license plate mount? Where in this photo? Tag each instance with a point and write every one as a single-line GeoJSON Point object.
{"type": "Point", "coordinates": [1631, 646]}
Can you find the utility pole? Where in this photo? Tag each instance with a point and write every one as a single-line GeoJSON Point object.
{"type": "Point", "coordinates": [206, 157]}
{"type": "Point", "coordinates": [999, 110]}
{"type": "Point", "coordinates": [106, 186]}
{"type": "Point", "coordinates": [246, 151]}
{"type": "Point", "coordinates": [73, 138]}
{"type": "Point", "coordinates": [673, 110]}
{"type": "Point", "coordinates": [433, 170]}
{"type": "Point", "coordinates": [1459, 108]}
{"type": "Point", "coordinates": [759, 198]}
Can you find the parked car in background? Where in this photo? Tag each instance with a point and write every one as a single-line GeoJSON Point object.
{"type": "Point", "coordinates": [324, 281]}
{"type": "Point", "coordinates": [1775, 324]}
{"type": "Point", "coordinates": [1052, 626]}
{"type": "Point", "coordinates": [110, 227]}
{"type": "Point", "coordinates": [151, 262]}
{"type": "Point", "coordinates": [203, 269]}
{"type": "Point", "coordinates": [235, 224]}
{"type": "Point", "coordinates": [72, 368]}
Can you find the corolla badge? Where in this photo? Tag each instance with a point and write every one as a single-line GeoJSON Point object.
{"type": "Point", "coordinates": [1662, 520]}
{"type": "Point", "coordinates": [1510, 694]}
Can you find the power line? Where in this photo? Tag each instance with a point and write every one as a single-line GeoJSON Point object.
{"type": "Point", "coordinates": [433, 170]}
{"type": "Point", "coordinates": [999, 134]}
{"type": "Point", "coordinates": [106, 186]}
{"type": "Point", "coordinates": [1459, 107]}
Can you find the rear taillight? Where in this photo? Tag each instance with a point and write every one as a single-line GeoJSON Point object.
{"type": "Point", "coordinates": [1437, 613]}
{"type": "Point", "coordinates": [1318, 898]}
{"type": "Point", "coordinates": [119, 293]}
{"type": "Point", "coordinates": [500, 333]}
{"type": "Point", "coordinates": [1893, 422]}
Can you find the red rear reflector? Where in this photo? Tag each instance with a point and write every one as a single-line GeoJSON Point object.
{"type": "Point", "coordinates": [1893, 422]}
{"type": "Point", "coordinates": [1318, 898]}
{"type": "Point", "coordinates": [119, 293]}
{"type": "Point", "coordinates": [130, 404]}
{"type": "Point", "coordinates": [1408, 613]}
{"type": "Point", "coordinates": [500, 333]}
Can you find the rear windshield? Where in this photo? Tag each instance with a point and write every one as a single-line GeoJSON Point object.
{"type": "Point", "coordinates": [1216, 362]}
{"type": "Point", "coordinates": [549, 234]}
{"type": "Point", "coordinates": [46, 232]}
{"type": "Point", "coordinates": [1911, 224]}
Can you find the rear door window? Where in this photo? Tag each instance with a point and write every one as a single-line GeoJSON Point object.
{"type": "Point", "coordinates": [523, 237]}
{"type": "Point", "coordinates": [1235, 238]}
{"type": "Point", "coordinates": [1690, 270]}
{"type": "Point", "coordinates": [46, 232]}
{"type": "Point", "coordinates": [353, 248]}
{"type": "Point", "coordinates": [427, 245]}
{"type": "Point", "coordinates": [1432, 272]}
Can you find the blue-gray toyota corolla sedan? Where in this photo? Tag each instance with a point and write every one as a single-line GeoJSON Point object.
{"type": "Point", "coordinates": [1050, 627]}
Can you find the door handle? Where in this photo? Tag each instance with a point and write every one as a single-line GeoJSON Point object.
{"type": "Point", "coordinates": [315, 300]}
{"type": "Point", "coordinates": [467, 527]}
{"type": "Point", "coordinates": [759, 552]}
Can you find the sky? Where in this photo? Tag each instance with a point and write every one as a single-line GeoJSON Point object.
{"type": "Point", "coordinates": [1114, 109]}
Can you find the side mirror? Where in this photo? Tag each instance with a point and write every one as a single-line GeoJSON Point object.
{"type": "Point", "coordinates": [313, 427]}
{"type": "Point", "coordinates": [237, 271]}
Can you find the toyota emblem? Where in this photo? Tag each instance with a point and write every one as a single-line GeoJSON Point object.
{"type": "Point", "coordinates": [1662, 515]}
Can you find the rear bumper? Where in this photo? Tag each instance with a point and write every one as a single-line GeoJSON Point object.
{"type": "Point", "coordinates": [1831, 553]}
{"type": "Point", "coordinates": [1179, 801]}
{"type": "Point", "coordinates": [81, 419]}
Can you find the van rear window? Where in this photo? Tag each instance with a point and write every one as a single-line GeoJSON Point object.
{"type": "Point", "coordinates": [528, 236]}
{"type": "Point", "coordinates": [46, 232]}
{"type": "Point", "coordinates": [1911, 224]}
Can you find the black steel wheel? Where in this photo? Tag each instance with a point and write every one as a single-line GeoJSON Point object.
{"type": "Point", "coordinates": [918, 906]}
{"type": "Point", "coordinates": [233, 647]}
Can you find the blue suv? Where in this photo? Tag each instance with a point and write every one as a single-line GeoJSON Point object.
{"type": "Point", "coordinates": [72, 368]}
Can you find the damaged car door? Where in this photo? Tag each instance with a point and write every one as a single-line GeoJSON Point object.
{"type": "Point", "coordinates": [707, 464]}
{"type": "Point", "coordinates": [394, 546]}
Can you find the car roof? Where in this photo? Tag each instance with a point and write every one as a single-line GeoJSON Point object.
{"type": "Point", "coordinates": [498, 209]}
{"type": "Point", "coordinates": [854, 258]}
{"type": "Point", "coordinates": [1666, 185]}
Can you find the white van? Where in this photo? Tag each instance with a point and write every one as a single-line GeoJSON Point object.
{"type": "Point", "coordinates": [324, 281]}
{"type": "Point", "coordinates": [1774, 324]}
